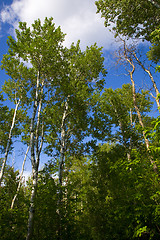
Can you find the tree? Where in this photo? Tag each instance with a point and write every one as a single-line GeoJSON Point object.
{"type": "Point", "coordinates": [122, 200]}
{"type": "Point", "coordinates": [67, 129]}
{"type": "Point", "coordinates": [46, 216]}
{"type": "Point", "coordinates": [115, 109]}
{"type": "Point", "coordinates": [68, 111]}
{"type": "Point", "coordinates": [131, 18]}
{"type": "Point", "coordinates": [8, 142]}
{"type": "Point", "coordinates": [154, 53]}
{"type": "Point", "coordinates": [47, 74]}
{"type": "Point", "coordinates": [5, 124]}
{"type": "Point", "coordinates": [127, 57]}
{"type": "Point", "coordinates": [41, 48]}
{"type": "Point", "coordinates": [20, 179]}
{"type": "Point", "coordinates": [13, 221]}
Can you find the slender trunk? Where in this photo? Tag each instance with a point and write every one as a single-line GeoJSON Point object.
{"type": "Point", "coordinates": [32, 203]}
{"type": "Point", "coordinates": [63, 142]}
{"type": "Point", "coordinates": [130, 142]}
{"type": "Point", "coordinates": [35, 152]}
{"type": "Point", "coordinates": [61, 165]}
{"type": "Point", "coordinates": [8, 142]}
{"type": "Point", "coordinates": [20, 180]}
{"type": "Point", "coordinates": [137, 109]}
{"type": "Point", "coordinates": [152, 79]}
{"type": "Point", "coordinates": [139, 114]}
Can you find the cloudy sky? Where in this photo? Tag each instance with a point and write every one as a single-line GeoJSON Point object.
{"type": "Point", "coordinates": [77, 18]}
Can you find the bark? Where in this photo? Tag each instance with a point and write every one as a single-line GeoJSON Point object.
{"type": "Point", "coordinates": [32, 202]}
{"type": "Point", "coordinates": [130, 143]}
{"type": "Point", "coordinates": [63, 142]}
{"type": "Point", "coordinates": [35, 151]}
{"type": "Point", "coordinates": [136, 107]}
{"type": "Point", "coordinates": [9, 142]}
{"type": "Point", "coordinates": [20, 180]}
{"type": "Point", "coordinates": [151, 77]}
{"type": "Point", "coordinates": [129, 60]}
{"type": "Point", "coordinates": [61, 165]}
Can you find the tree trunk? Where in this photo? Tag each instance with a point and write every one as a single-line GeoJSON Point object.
{"type": "Point", "coordinates": [61, 166]}
{"type": "Point", "coordinates": [35, 151]}
{"type": "Point", "coordinates": [32, 202]}
{"type": "Point", "coordinates": [8, 142]}
{"type": "Point", "coordinates": [63, 142]}
{"type": "Point", "coordinates": [152, 79]}
{"type": "Point", "coordinates": [139, 114]}
{"type": "Point", "coordinates": [20, 180]}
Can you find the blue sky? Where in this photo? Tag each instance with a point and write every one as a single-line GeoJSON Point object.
{"type": "Point", "coordinates": [78, 19]}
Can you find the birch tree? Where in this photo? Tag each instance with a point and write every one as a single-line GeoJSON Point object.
{"type": "Point", "coordinates": [68, 111]}
{"type": "Point", "coordinates": [16, 89]}
{"type": "Point", "coordinates": [147, 69]}
{"type": "Point", "coordinates": [115, 109]}
{"type": "Point", "coordinates": [40, 49]}
{"type": "Point", "coordinates": [125, 56]}
{"type": "Point", "coordinates": [68, 128]}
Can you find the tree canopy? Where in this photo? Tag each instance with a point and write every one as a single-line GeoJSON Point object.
{"type": "Point", "coordinates": [130, 18]}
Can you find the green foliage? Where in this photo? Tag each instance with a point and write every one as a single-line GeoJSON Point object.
{"type": "Point", "coordinates": [12, 221]}
{"type": "Point", "coordinates": [115, 109]}
{"type": "Point", "coordinates": [46, 216]}
{"type": "Point", "coordinates": [5, 125]}
{"type": "Point", "coordinates": [80, 79]}
{"type": "Point", "coordinates": [130, 18]}
{"type": "Point", "coordinates": [122, 205]}
{"type": "Point", "coordinates": [154, 53]}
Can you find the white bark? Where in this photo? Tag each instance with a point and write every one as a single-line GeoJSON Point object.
{"type": "Point", "coordinates": [20, 179]}
{"type": "Point", "coordinates": [151, 77]}
{"type": "Point", "coordinates": [61, 164]}
{"type": "Point", "coordinates": [32, 203]}
{"type": "Point", "coordinates": [9, 142]}
{"type": "Point", "coordinates": [137, 109]}
{"type": "Point", "coordinates": [63, 141]}
{"type": "Point", "coordinates": [35, 151]}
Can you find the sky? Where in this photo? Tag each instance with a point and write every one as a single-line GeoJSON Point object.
{"type": "Point", "coordinates": [78, 19]}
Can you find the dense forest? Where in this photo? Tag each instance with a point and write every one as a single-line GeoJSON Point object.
{"type": "Point", "coordinates": [101, 178]}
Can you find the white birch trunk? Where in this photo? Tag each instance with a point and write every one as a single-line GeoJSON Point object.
{"type": "Point", "coordinates": [152, 79]}
{"type": "Point", "coordinates": [8, 142]}
{"type": "Point", "coordinates": [32, 203]}
{"type": "Point", "coordinates": [138, 112]}
{"type": "Point", "coordinates": [61, 165]}
{"type": "Point", "coordinates": [20, 179]}
{"type": "Point", "coordinates": [63, 142]}
{"type": "Point", "coordinates": [35, 152]}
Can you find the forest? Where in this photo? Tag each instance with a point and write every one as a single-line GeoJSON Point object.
{"type": "Point", "coordinates": [101, 177]}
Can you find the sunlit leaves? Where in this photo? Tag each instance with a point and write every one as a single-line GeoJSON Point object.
{"type": "Point", "coordinates": [130, 18]}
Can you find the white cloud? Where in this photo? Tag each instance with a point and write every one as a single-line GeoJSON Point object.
{"type": "Point", "coordinates": [27, 175]}
{"type": "Point", "coordinates": [77, 18]}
